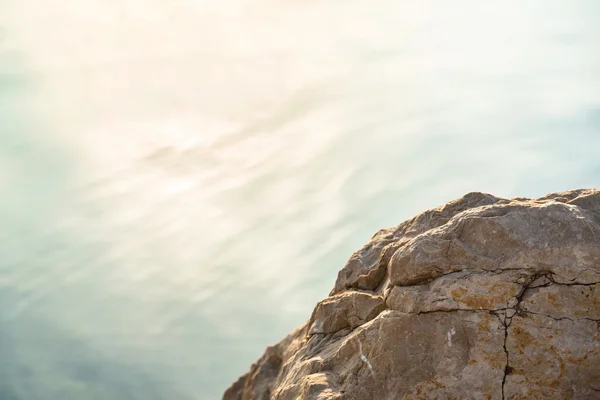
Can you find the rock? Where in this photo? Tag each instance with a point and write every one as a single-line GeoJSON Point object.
{"type": "Point", "coordinates": [483, 298]}
{"type": "Point", "coordinates": [345, 310]}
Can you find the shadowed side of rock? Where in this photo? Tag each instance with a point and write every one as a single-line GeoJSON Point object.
{"type": "Point", "coordinates": [482, 298]}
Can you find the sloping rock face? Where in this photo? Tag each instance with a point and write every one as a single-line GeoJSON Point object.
{"type": "Point", "coordinates": [483, 298]}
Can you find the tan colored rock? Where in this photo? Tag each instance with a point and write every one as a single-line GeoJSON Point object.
{"type": "Point", "coordinates": [366, 268]}
{"type": "Point", "coordinates": [345, 310]}
{"type": "Point", "coordinates": [564, 301]}
{"type": "Point", "coordinates": [553, 359]}
{"type": "Point", "coordinates": [483, 298]}
{"type": "Point", "coordinates": [458, 291]}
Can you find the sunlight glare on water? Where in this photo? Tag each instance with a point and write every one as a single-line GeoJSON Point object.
{"type": "Point", "coordinates": [181, 181]}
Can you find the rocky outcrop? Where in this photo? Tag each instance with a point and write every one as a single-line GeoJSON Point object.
{"type": "Point", "coordinates": [483, 298]}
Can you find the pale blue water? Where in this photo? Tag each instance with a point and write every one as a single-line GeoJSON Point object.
{"type": "Point", "coordinates": [181, 181]}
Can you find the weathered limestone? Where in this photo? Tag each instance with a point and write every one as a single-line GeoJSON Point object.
{"type": "Point", "coordinates": [349, 309]}
{"type": "Point", "coordinates": [483, 298]}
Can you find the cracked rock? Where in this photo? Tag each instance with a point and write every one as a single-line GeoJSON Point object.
{"type": "Point", "coordinates": [482, 298]}
{"type": "Point", "coordinates": [553, 359]}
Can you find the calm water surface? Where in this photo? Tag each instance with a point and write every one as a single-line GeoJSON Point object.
{"type": "Point", "coordinates": [181, 181]}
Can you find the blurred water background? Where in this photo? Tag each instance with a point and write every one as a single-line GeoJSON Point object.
{"type": "Point", "coordinates": [181, 181]}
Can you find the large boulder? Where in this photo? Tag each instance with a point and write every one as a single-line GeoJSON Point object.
{"type": "Point", "coordinates": [482, 298]}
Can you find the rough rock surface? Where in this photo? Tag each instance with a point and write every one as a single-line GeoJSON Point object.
{"type": "Point", "coordinates": [483, 298]}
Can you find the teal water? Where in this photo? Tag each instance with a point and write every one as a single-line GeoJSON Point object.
{"type": "Point", "coordinates": [181, 182]}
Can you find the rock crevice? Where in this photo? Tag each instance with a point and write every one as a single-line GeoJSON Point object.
{"type": "Point", "coordinates": [482, 298]}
